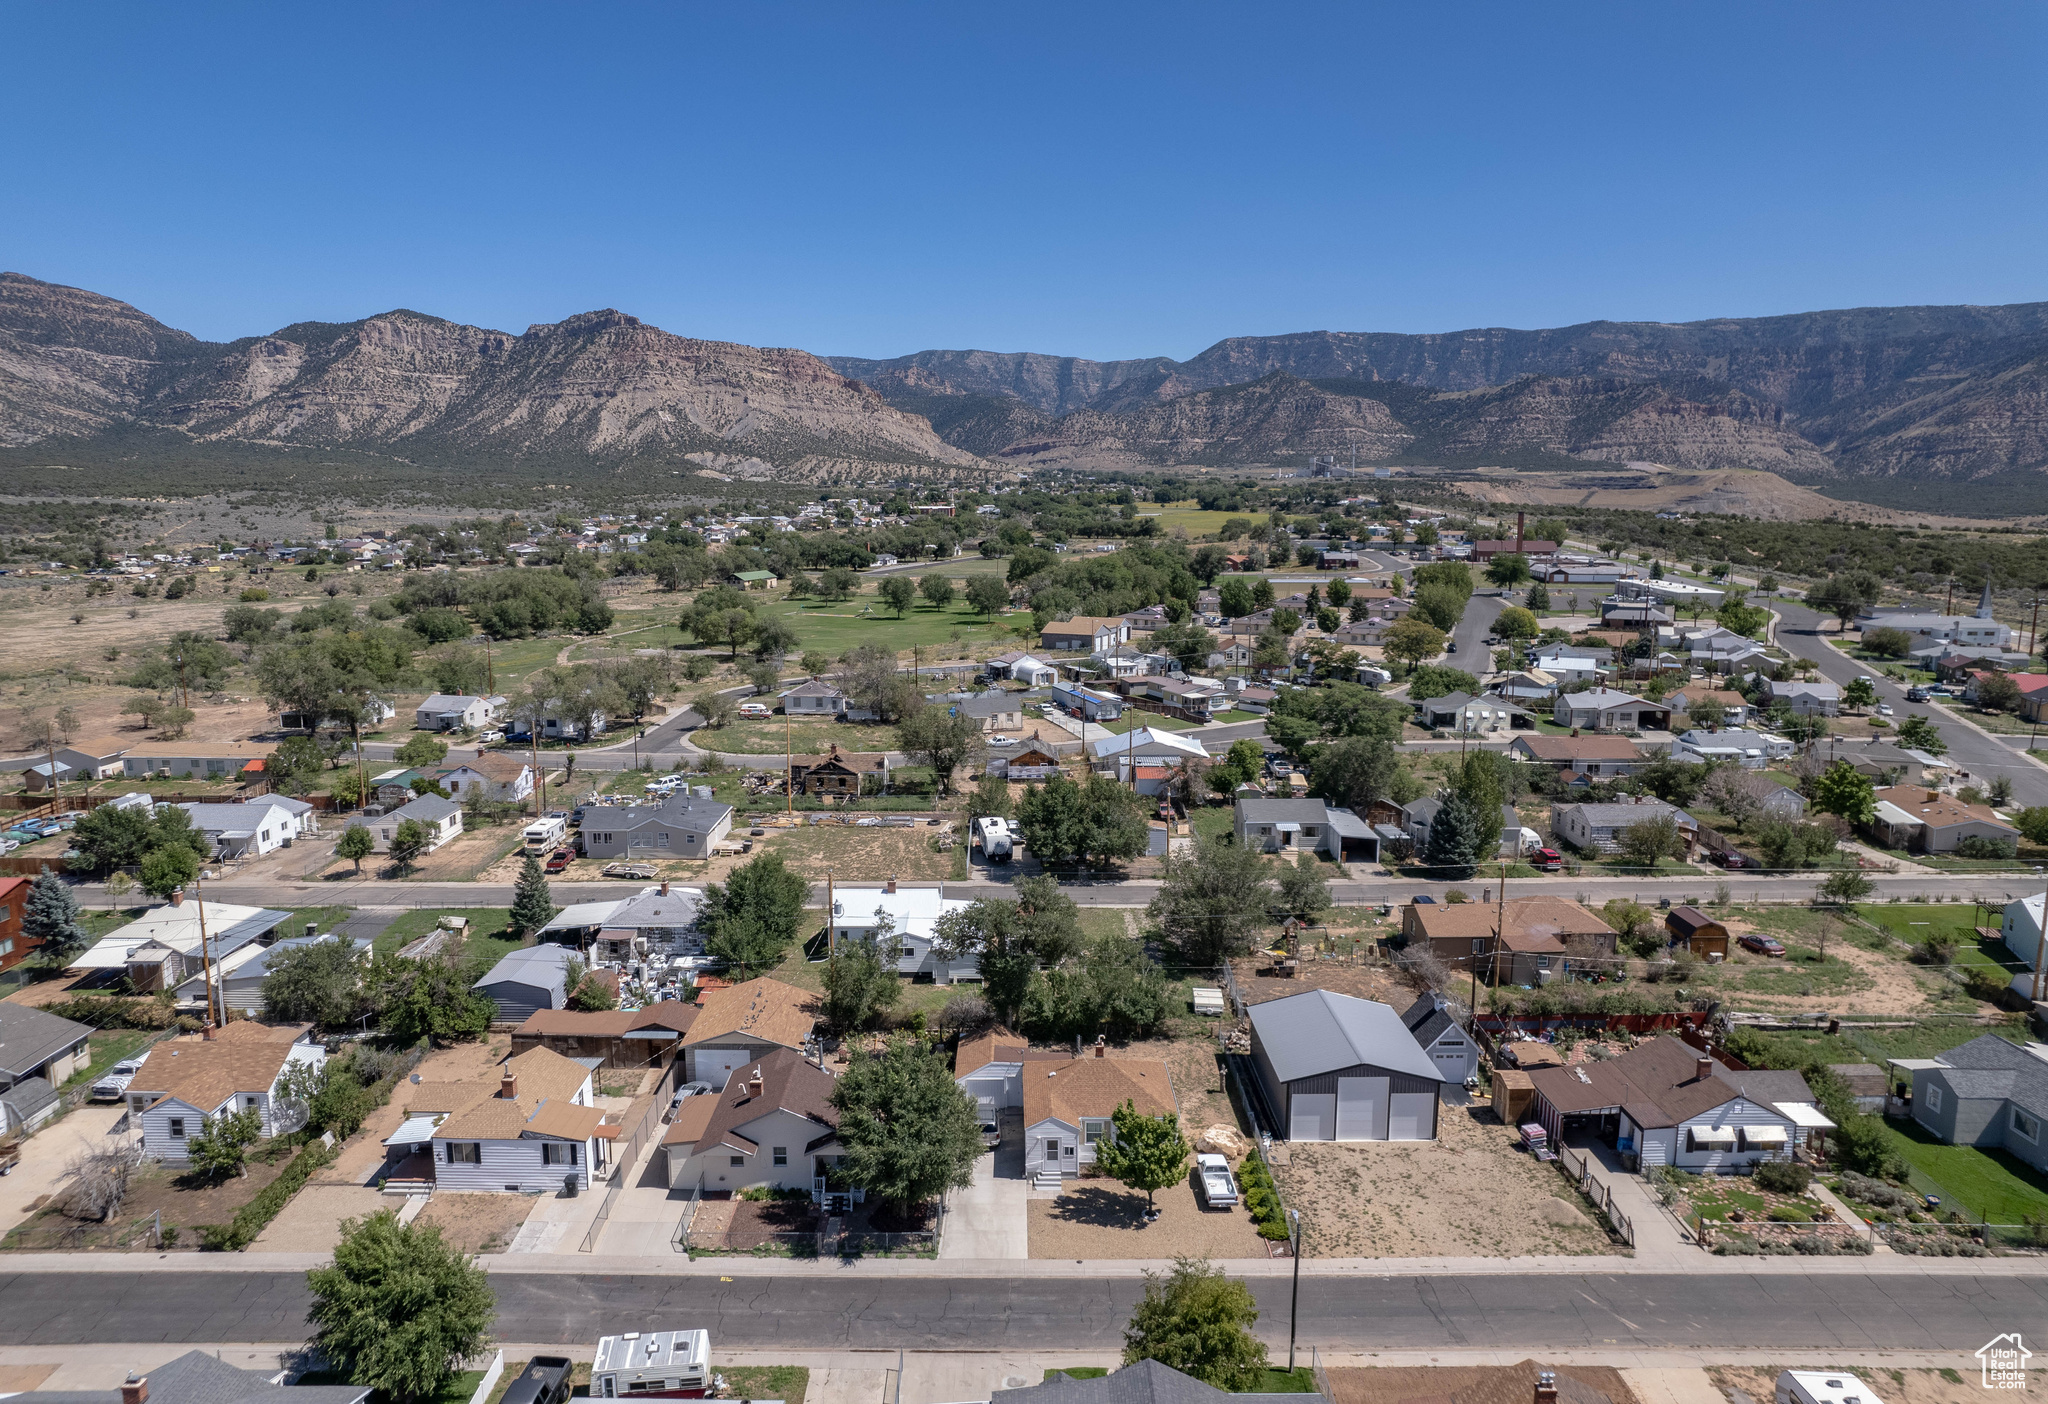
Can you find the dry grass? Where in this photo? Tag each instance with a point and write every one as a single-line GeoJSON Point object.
{"type": "Point", "coordinates": [1760, 1382]}
{"type": "Point", "coordinates": [1467, 1194]}
{"type": "Point", "coordinates": [311, 1223]}
{"type": "Point", "coordinates": [477, 1223]}
{"type": "Point", "coordinates": [1400, 1384]}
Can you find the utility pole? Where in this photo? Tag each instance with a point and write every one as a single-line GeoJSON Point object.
{"type": "Point", "coordinates": [490, 677]}
{"type": "Point", "coordinates": [2041, 951]}
{"type": "Point", "coordinates": [205, 952]}
{"type": "Point", "coordinates": [1500, 921]}
{"type": "Point", "coordinates": [1294, 1300]}
{"type": "Point", "coordinates": [788, 767]}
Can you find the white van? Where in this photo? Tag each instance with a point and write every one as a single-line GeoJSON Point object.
{"type": "Point", "coordinates": [544, 835]}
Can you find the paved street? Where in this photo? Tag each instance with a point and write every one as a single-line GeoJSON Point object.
{"type": "Point", "coordinates": [1907, 1312]}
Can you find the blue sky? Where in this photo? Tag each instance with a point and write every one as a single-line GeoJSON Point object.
{"type": "Point", "coordinates": [1102, 180]}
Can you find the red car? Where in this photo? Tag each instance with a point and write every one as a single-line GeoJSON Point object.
{"type": "Point", "coordinates": [1546, 860]}
{"type": "Point", "coordinates": [1761, 944]}
{"type": "Point", "coordinates": [560, 859]}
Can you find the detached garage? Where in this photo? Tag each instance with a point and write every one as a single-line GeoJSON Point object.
{"type": "Point", "coordinates": [1344, 1069]}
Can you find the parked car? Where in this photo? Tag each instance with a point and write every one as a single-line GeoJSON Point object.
{"type": "Point", "coordinates": [1546, 860]}
{"type": "Point", "coordinates": [754, 711]}
{"type": "Point", "coordinates": [1884, 709]}
{"type": "Point", "coordinates": [545, 1380]}
{"type": "Point", "coordinates": [1213, 1181]}
{"type": "Point", "coordinates": [1425, 900]}
{"type": "Point", "coordinates": [1733, 859]}
{"type": "Point", "coordinates": [999, 740]}
{"type": "Point", "coordinates": [111, 1087]}
{"type": "Point", "coordinates": [560, 859]}
{"type": "Point", "coordinates": [490, 738]}
{"type": "Point", "coordinates": [1760, 943]}
{"type": "Point", "coordinates": [684, 1093]}
{"type": "Point", "coordinates": [991, 1133]}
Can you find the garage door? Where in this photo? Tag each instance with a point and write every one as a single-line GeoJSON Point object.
{"type": "Point", "coordinates": [1413, 1117]}
{"type": "Point", "coordinates": [715, 1065]}
{"type": "Point", "coordinates": [1361, 1109]}
{"type": "Point", "coordinates": [1312, 1116]}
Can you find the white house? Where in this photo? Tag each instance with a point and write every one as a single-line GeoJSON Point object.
{"type": "Point", "coordinates": [2021, 930]}
{"type": "Point", "coordinates": [1599, 827]}
{"type": "Point", "coordinates": [162, 946]}
{"type": "Point", "coordinates": [911, 914]}
{"type": "Point", "coordinates": [1977, 630]}
{"type": "Point", "coordinates": [1752, 750]}
{"type": "Point", "coordinates": [1814, 699]}
{"type": "Point", "coordinates": [184, 1083]}
{"type": "Point", "coordinates": [1145, 745]}
{"type": "Point", "coordinates": [494, 774]}
{"type": "Point", "coordinates": [1068, 1107]}
{"type": "Point", "coordinates": [1604, 709]}
{"type": "Point", "coordinates": [530, 1129]}
{"type": "Point", "coordinates": [814, 697]}
{"type": "Point", "coordinates": [1454, 1052]}
{"type": "Point", "coordinates": [1085, 635]}
{"type": "Point", "coordinates": [442, 818]}
{"type": "Point", "coordinates": [446, 711]}
{"type": "Point", "coordinates": [251, 828]}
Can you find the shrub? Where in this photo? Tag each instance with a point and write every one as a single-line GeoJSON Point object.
{"type": "Point", "coordinates": [1262, 1198]}
{"type": "Point", "coordinates": [1982, 846]}
{"type": "Point", "coordinates": [1783, 1177]}
{"type": "Point", "coordinates": [256, 1215]}
{"type": "Point", "coordinates": [1790, 1214]}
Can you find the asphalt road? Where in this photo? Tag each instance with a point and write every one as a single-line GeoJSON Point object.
{"type": "Point", "coordinates": [1586, 1311]}
{"type": "Point", "coordinates": [1799, 632]}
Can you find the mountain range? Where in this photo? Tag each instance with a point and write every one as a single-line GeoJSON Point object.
{"type": "Point", "coordinates": [1943, 408]}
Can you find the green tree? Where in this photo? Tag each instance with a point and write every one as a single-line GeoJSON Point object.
{"type": "Point", "coordinates": [1887, 642]}
{"type": "Point", "coordinates": [1846, 885]}
{"type": "Point", "coordinates": [1919, 734]}
{"type": "Point", "coordinates": [1338, 593]}
{"type": "Point", "coordinates": [1304, 890]}
{"type": "Point", "coordinates": [1845, 595]}
{"type": "Point", "coordinates": [937, 590]}
{"type": "Point", "coordinates": [588, 992]}
{"type": "Point", "coordinates": [1860, 694]}
{"type": "Point", "coordinates": [421, 750]}
{"type": "Point", "coordinates": [1353, 771]}
{"type": "Point", "coordinates": [1011, 939]}
{"type": "Point", "coordinates": [1997, 693]}
{"type": "Point", "coordinates": [409, 843]}
{"type": "Point", "coordinates": [991, 799]}
{"type": "Point", "coordinates": [1412, 640]}
{"type": "Point", "coordinates": [910, 1133]}
{"type": "Point", "coordinates": [428, 999]}
{"type": "Point", "coordinates": [1439, 605]}
{"type": "Point", "coordinates": [165, 870]}
{"type": "Point", "coordinates": [533, 905]}
{"type": "Point", "coordinates": [1097, 822]}
{"type": "Point", "coordinates": [1635, 925]}
{"type": "Point", "coordinates": [988, 596]}
{"type": "Point", "coordinates": [217, 1153]}
{"type": "Point", "coordinates": [861, 982]}
{"type": "Point", "coordinates": [1146, 1153]}
{"type": "Point", "coordinates": [899, 593]}
{"type": "Point", "coordinates": [1212, 900]}
{"type": "Point", "coordinates": [50, 921]}
{"type": "Point", "coordinates": [319, 984]}
{"type": "Point", "coordinates": [1647, 841]}
{"type": "Point", "coordinates": [1234, 598]}
{"type": "Point", "coordinates": [1515, 623]}
{"type": "Point", "coordinates": [1707, 714]}
{"type": "Point", "coordinates": [1199, 1322]}
{"type": "Point", "coordinates": [1538, 599]}
{"type": "Point", "coordinates": [1188, 643]}
{"type": "Point", "coordinates": [1509, 570]}
{"type": "Point", "coordinates": [399, 1310]}
{"type": "Point", "coordinates": [1455, 844]}
{"type": "Point", "coordinates": [931, 736]}
{"type": "Point", "coordinates": [2032, 823]}
{"type": "Point", "coordinates": [751, 919]}
{"type": "Point", "coordinates": [356, 844]}
{"type": "Point", "coordinates": [1840, 790]}
{"type": "Point", "coordinates": [1440, 680]}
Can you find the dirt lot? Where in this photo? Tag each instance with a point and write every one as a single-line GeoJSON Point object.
{"type": "Point", "coordinates": [1854, 979]}
{"type": "Point", "coordinates": [1424, 1199]}
{"type": "Point", "coordinates": [1399, 1384]}
{"type": "Point", "coordinates": [1375, 982]}
{"type": "Point", "coordinates": [1102, 1219]}
{"type": "Point", "coordinates": [742, 1225]}
{"type": "Point", "coordinates": [311, 1223]}
{"type": "Point", "coordinates": [1760, 1382]}
{"type": "Point", "coordinates": [1197, 1073]}
{"type": "Point", "coordinates": [861, 855]}
{"type": "Point", "coordinates": [477, 1223]}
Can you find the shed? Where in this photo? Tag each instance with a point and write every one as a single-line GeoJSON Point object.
{"type": "Point", "coordinates": [535, 977]}
{"type": "Point", "coordinates": [1695, 931]}
{"type": "Point", "coordinates": [1512, 1094]}
{"type": "Point", "coordinates": [1343, 1069]}
{"type": "Point", "coordinates": [1866, 1082]}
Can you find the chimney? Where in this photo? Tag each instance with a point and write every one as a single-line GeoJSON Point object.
{"type": "Point", "coordinates": [177, 900]}
{"type": "Point", "coordinates": [664, 887]}
{"type": "Point", "coordinates": [1518, 551]}
{"type": "Point", "coordinates": [754, 1083]}
{"type": "Point", "coordinates": [206, 1034]}
{"type": "Point", "coordinates": [508, 1086]}
{"type": "Point", "coordinates": [1098, 1045]}
{"type": "Point", "coordinates": [1702, 1068]}
{"type": "Point", "coordinates": [1546, 1387]}
{"type": "Point", "coordinates": [891, 888]}
{"type": "Point", "coordinates": [135, 1390]}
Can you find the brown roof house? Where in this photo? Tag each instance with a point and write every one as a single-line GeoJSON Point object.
{"type": "Point", "coordinates": [772, 1124]}
{"type": "Point", "coordinates": [1693, 930]}
{"type": "Point", "coordinates": [1084, 635]}
{"type": "Point", "coordinates": [743, 1023]}
{"type": "Point", "coordinates": [838, 772]}
{"type": "Point", "coordinates": [184, 1083]}
{"type": "Point", "coordinates": [1670, 1103]}
{"type": "Point", "coordinates": [526, 1127]}
{"type": "Point", "coordinates": [1927, 821]}
{"type": "Point", "coordinates": [990, 1068]}
{"type": "Point", "coordinates": [1068, 1106]}
{"type": "Point", "coordinates": [1598, 757]}
{"type": "Point", "coordinates": [1539, 937]}
{"type": "Point", "coordinates": [617, 1038]}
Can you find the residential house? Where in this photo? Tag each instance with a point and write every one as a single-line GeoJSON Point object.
{"type": "Point", "coordinates": [909, 915]}
{"type": "Point", "coordinates": [2020, 930]}
{"type": "Point", "coordinates": [995, 711]}
{"type": "Point", "coordinates": [681, 826]}
{"type": "Point", "coordinates": [1085, 635]}
{"type": "Point", "coordinates": [533, 977]}
{"type": "Point", "coordinates": [83, 758]}
{"type": "Point", "coordinates": [495, 775]}
{"type": "Point", "coordinates": [1437, 1032]}
{"type": "Point", "coordinates": [1539, 938]}
{"type": "Point", "coordinates": [1527, 685]}
{"type": "Point", "coordinates": [1087, 703]}
{"type": "Point", "coordinates": [1177, 697]}
{"type": "Point", "coordinates": [1666, 1102]}
{"type": "Point", "coordinates": [1335, 1068]}
{"type": "Point", "coordinates": [1235, 654]}
{"type": "Point", "coordinates": [649, 1037]}
{"type": "Point", "coordinates": [453, 711]}
{"type": "Point", "coordinates": [1149, 620]}
{"type": "Point", "coordinates": [2033, 689]}
{"type": "Point", "coordinates": [1781, 801]}
{"type": "Point", "coordinates": [1735, 708]}
{"type": "Point", "coordinates": [1988, 1093]}
{"type": "Point", "coordinates": [1926, 821]}
{"type": "Point", "coordinates": [1979, 630]}
{"type": "Point", "coordinates": [1806, 699]}
{"type": "Point", "coordinates": [373, 713]}
{"type": "Point", "coordinates": [1292, 826]}
{"type": "Point", "coordinates": [815, 697]}
{"type": "Point", "coordinates": [38, 1051]}
{"type": "Point", "coordinates": [1693, 931]}
{"type": "Point", "coordinates": [1752, 750]}
{"type": "Point", "coordinates": [1597, 828]}
{"type": "Point", "coordinates": [838, 773]}
{"type": "Point", "coordinates": [252, 828]}
{"type": "Point", "coordinates": [1459, 711]}
{"type": "Point", "coordinates": [756, 579]}
{"type": "Point", "coordinates": [1598, 757]}
{"type": "Point", "coordinates": [14, 947]}
{"type": "Point", "coordinates": [208, 760]}
{"type": "Point", "coordinates": [1068, 1107]}
{"type": "Point", "coordinates": [1604, 709]}
{"type": "Point", "coordinates": [391, 789]}
{"type": "Point", "coordinates": [1570, 664]}
{"type": "Point", "coordinates": [442, 819]}
{"type": "Point", "coordinates": [990, 1068]}
{"type": "Point", "coordinates": [198, 1378]}
{"type": "Point", "coordinates": [1144, 744]}
{"type": "Point", "coordinates": [160, 948]}
{"type": "Point", "coordinates": [772, 1124]}
{"type": "Point", "coordinates": [659, 918]}
{"type": "Point", "coordinates": [745, 1022]}
{"type": "Point", "coordinates": [1418, 815]}
{"type": "Point", "coordinates": [1951, 663]}
{"type": "Point", "coordinates": [1643, 616]}
{"type": "Point", "coordinates": [183, 1083]}
{"type": "Point", "coordinates": [530, 1128]}
{"type": "Point", "coordinates": [1885, 763]}
{"type": "Point", "coordinates": [1034, 762]}
{"type": "Point", "coordinates": [1023, 668]}
{"type": "Point", "coordinates": [237, 977]}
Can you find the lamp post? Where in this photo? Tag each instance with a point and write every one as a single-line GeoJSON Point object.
{"type": "Point", "coordinates": [1294, 1299]}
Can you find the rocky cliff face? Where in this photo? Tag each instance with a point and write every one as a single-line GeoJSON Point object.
{"type": "Point", "coordinates": [603, 385]}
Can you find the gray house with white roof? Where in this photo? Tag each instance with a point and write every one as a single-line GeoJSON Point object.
{"type": "Point", "coordinates": [533, 977]}
{"type": "Point", "coordinates": [1987, 1093]}
{"type": "Point", "coordinates": [1335, 1068]}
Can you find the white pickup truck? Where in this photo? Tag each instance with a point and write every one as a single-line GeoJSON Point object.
{"type": "Point", "coordinates": [1214, 1182]}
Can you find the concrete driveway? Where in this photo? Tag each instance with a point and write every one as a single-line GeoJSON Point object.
{"type": "Point", "coordinates": [45, 1154]}
{"type": "Point", "coordinates": [987, 1219]}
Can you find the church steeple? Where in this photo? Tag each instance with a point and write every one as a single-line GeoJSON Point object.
{"type": "Point", "coordinates": [1984, 604]}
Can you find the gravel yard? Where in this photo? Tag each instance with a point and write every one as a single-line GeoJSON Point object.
{"type": "Point", "coordinates": [311, 1223]}
{"type": "Point", "coordinates": [1467, 1194]}
{"type": "Point", "coordinates": [477, 1223]}
{"type": "Point", "coordinates": [1102, 1219]}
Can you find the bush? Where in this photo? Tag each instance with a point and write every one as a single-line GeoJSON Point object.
{"type": "Point", "coordinates": [1877, 1193]}
{"type": "Point", "coordinates": [1783, 1177]}
{"type": "Point", "coordinates": [1981, 846]}
{"type": "Point", "coordinates": [1790, 1214]}
{"type": "Point", "coordinates": [1262, 1198]}
{"type": "Point", "coordinates": [116, 1012]}
{"type": "Point", "coordinates": [256, 1215]}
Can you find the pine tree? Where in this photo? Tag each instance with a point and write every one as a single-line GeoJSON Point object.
{"type": "Point", "coordinates": [533, 906]}
{"type": "Point", "coordinates": [50, 920]}
{"type": "Point", "coordinates": [1455, 835]}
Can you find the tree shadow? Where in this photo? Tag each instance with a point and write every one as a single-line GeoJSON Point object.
{"type": "Point", "coordinates": [1100, 1208]}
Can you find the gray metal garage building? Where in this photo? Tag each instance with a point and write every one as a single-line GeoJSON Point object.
{"type": "Point", "coordinates": [1337, 1068]}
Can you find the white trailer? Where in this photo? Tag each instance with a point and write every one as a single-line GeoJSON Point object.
{"type": "Point", "coordinates": [544, 834]}
{"type": "Point", "coordinates": [993, 835]}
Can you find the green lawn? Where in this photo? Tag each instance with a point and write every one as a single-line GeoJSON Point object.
{"type": "Point", "coordinates": [785, 1382]}
{"type": "Point", "coordinates": [1212, 821]}
{"type": "Point", "coordinates": [1193, 519]}
{"type": "Point", "coordinates": [107, 1048]}
{"type": "Point", "coordinates": [1102, 921]}
{"type": "Point", "coordinates": [1914, 923]}
{"type": "Point", "coordinates": [1991, 721]}
{"type": "Point", "coordinates": [1132, 720]}
{"type": "Point", "coordinates": [835, 627]}
{"type": "Point", "coordinates": [487, 928]}
{"type": "Point", "coordinates": [324, 919]}
{"type": "Point", "coordinates": [766, 738]}
{"type": "Point", "coordinates": [1990, 1186]}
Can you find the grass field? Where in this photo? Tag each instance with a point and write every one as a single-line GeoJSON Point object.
{"type": "Point", "coordinates": [808, 738]}
{"type": "Point", "coordinates": [487, 928]}
{"type": "Point", "coordinates": [836, 627]}
{"type": "Point", "coordinates": [1192, 519]}
{"type": "Point", "coordinates": [1915, 923]}
{"type": "Point", "coordinates": [1990, 1186]}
